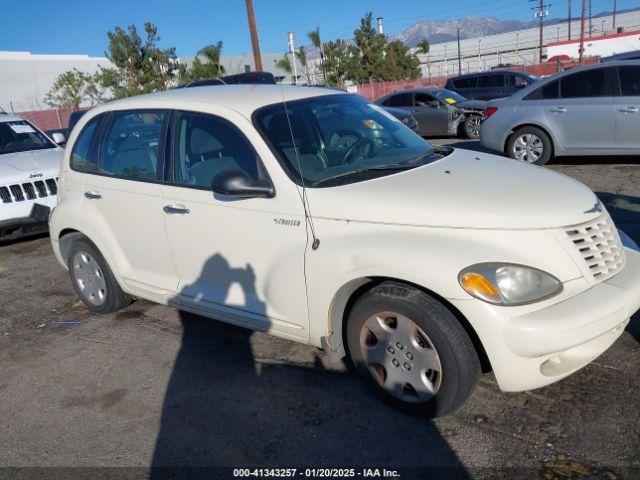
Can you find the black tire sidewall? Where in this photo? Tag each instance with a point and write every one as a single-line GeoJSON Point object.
{"type": "Point", "coordinates": [460, 364]}
{"type": "Point", "coordinates": [115, 297]}
{"type": "Point", "coordinates": [541, 134]}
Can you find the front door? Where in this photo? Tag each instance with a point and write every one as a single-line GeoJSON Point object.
{"type": "Point", "coordinates": [627, 111]}
{"type": "Point", "coordinates": [241, 258]}
{"type": "Point", "coordinates": [122, 202]}
{"type": "Point", "coordinates": [432, 115]}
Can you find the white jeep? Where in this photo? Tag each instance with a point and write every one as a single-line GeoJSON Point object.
{"type": "Point", "coordinates": [315, 216]}
{"type": "Point", "coordinates": [29, 168]}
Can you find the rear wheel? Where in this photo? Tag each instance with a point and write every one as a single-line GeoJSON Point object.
{"type": "Point", "coordinates": [93, 280]}
{"type": "Point", "coordinates": [471, 126]}
{"type": "Point", "coordinates": [412, 350]}
{"type": "Point", "coordinates": [530, 144]}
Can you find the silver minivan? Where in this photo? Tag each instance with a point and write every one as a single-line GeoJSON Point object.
{"type": "Point", "coordinates": [592, 110]}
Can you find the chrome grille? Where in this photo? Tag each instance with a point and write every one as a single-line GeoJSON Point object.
{"type": "Point", "coordinates": [599, 244]}
{"type": "Point", "coordinates": [20, 192]}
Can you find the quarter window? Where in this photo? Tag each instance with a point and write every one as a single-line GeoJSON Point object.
{"type": "Point", "coordinates": [206, 146]}
{"type": "Point", "coordinates": [630, 81]}
{"type": "Point", "coordinates": [82, 157]}
{"type": "Point", "coordinates": [591, 83]}
{"type": "Point", "coordinates": [549, 91]}
{"type": "Point", "coordinates": [130, 146]}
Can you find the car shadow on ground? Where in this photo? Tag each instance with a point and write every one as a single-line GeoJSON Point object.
{"type": "Point", "coordinates": [233, 402]}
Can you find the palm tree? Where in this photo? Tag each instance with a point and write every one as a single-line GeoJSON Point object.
{"type": "Point", "coordinates": [314, 37]}
{"type": "Point", "coordinates": [213, 53]}
{"type": "Point", "coordinates": [285, 64]}
{"type": "Point", "coordinates": [423, 47]}
{"type": "Point", "coordinates": [302, 56]}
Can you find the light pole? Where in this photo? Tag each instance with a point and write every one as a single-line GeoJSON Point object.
{"type": "Point", "coordinates": [446, 67]}
{"type": "Point", "coordinates": [479, 58]}
{"type": "Point", "coordinates": [292, 49]}
{"type": "Point", "coordinates": [517, 45]}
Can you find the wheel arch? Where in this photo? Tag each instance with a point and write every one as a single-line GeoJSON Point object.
{"type": "Point", "coordinates": [554, 144]}
{"type": "Point", "coordinates": [349, 293]}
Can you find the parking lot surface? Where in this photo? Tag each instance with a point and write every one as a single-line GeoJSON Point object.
{"type": "Point", "coordinates": [153, 387]}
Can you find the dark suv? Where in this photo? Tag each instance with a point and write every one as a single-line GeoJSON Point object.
{"type": "Point", "coordinates": [490, 85]}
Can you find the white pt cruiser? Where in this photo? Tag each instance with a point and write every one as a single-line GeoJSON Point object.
{"type": "Point", "coordinates": [315, 216]}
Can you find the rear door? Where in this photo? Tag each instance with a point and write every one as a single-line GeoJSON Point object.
{"type": "Point", "coordinates": [626, 134]}
{"type": "Point", "coordinates": [122, 201]}
{"type": "Point", "coordinates": [432, 115]}
{"type": "Point", "coordinates": [582, 117]}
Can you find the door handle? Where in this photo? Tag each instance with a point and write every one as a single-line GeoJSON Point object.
{"type": "Point", "coordinates": [175, 210]}
{"type": "Point", "coordinates": [558, 110]}
{"type": "Point", "coordinates": [92, 195]}
{"type": "Point", "coordinates": [630, 109]}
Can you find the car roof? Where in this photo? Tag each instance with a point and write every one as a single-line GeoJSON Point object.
{"type": "Point", "coordinates": [5, 117]}
{"type": "Point", "coordinates": [490, 72]}
{"type": "Point", "coordinates": [245, 99]}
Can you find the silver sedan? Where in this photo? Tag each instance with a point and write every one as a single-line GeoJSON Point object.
{"type": "Point", "coordinates": [593, 110]}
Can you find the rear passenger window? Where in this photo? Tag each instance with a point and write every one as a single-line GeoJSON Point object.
{"type": "Point", "coordinates": [549, 91]}
{"type": "Point", "coordinates": [130, 146]}
{"type": "Point", "coordinates": [82, 158]}
{"type": "Point", "coordinates": [491, 81]}
{"type": "Point", "coordinates": [399, 100]}
{"type": "Point", "coordinates": [206, 146]}
{"type": "Point", "coordinates": [469, 82]}
{"type": "Point", "coordinates": [591, 83]}
{"type": "Point", "coordinates": [630, 81]}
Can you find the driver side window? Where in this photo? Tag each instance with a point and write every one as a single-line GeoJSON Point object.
{"type": "Point", "coordinates": [425, 100]}
{"type": "Point", "coordinates": [205, 146]}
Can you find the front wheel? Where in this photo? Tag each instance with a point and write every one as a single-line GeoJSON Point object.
{"type": "Point", "coordinates": [531, 145]}
{"type": "Point", "coordinates": [471, 126]}
{"type": "Point", "coordinates": [412, 350]}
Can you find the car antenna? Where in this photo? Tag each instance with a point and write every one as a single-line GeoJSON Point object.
{"type": "Point", "coordinates": [305, 201]}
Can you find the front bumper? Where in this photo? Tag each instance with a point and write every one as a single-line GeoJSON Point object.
{"type": "Point", "coordinates": [21, 227]}
{"type": "Point", "coordinates": [543, 346]}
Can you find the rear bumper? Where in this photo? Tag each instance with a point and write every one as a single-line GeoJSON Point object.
{"type": "Point", "coordinates": [541, 347]}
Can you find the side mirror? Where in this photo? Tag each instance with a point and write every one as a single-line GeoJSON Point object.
{"type": "Point", "coordinates": [58, 138]}
{"type": "Point", "coordinates": [433, 104]}
{"type": "Point", "coordinates": [236, 183]}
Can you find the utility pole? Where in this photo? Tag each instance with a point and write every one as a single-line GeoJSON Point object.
{"type": "Point", "coordinates": [255, 44]}
{"type": "Point", "coordinates": [590, 19]}
{"type": "Point", "coordinates": [615, 9]}
{"type": "Point", "coordinates": [540, 12]}
{"type": "Point", "coordinates": [582, 25]}
{"type": "Point", "coordinates": [459, 57]}
{"type": "Point", "coordinates": [569, 22]}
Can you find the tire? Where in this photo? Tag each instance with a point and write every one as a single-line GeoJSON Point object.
{"type": "Point", "coordinates": [443, 381]}
{"type": "Point", "coordinates": [518, 143]}
{"type": "Point", "coordinates": [93, 280]}
{"type": "Point", "coordinates": [471, 127]}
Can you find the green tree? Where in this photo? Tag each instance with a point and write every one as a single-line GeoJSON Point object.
{"type": "Point", "coordinates": [342, 62]}
{"type": "Point", "coordinates": [314, 37]}
{"type": "Point", "coordinates": [140, 66]}
{"type": "Point", "coordinates": [399, 63]}
{"type": "Point", "coordinates": [285, 64]}
{"type": "Point", "coordinates": [209, 68]}
{"type": "Point", "coordinates": [423, 47]}
{"type": "Point", "coordinates": [371, 45]}
{"type": "Point", "coordinates": [72, 88]}
{"type": "Point", "coordinates": [302, 57]}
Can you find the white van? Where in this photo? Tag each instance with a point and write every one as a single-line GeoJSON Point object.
{"type": "Point", "coordinates": [315, 216]}
{"type": "Point", "coordinates": [29, 167]}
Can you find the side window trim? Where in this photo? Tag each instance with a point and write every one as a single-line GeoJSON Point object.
{"type": "Point", "coordinates": [94, 145]}
{"type": "Point", "coordinates": [170, 175]}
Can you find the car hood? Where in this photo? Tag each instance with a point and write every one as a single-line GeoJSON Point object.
{"type": "Point", "coordinates": [19, 164]}
{"type": "Point", "coordinates": [463, 190]}
{"type": "Point", "coordinates": [472, 104]}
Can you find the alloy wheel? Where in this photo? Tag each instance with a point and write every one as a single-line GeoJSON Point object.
{"type": "Point", "coordinates": [528, 148]}
{"type": "Point", "coordinates": [401, 357]}
{"type": "Point", "coordinates": [474, 125]}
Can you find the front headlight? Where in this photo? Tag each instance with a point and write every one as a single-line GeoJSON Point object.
{"type": "Point", "coordinates": [508, 284]}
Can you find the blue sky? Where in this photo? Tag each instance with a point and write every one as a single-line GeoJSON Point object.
{"type": "Point", "coordinates": [79, 27]}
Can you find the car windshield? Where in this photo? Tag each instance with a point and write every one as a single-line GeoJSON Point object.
{"type": "Point", "coordinates": [449, 96]}
{"type": "Point", "coordinates": [20, 136]}
{"type": "Point", "coordinates": [337, 139]}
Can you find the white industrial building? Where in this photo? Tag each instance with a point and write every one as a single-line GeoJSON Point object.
{"type": "Point", "coordinates": [26, 78]}
{"type": "Point", "coordinates": [520, 47]}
